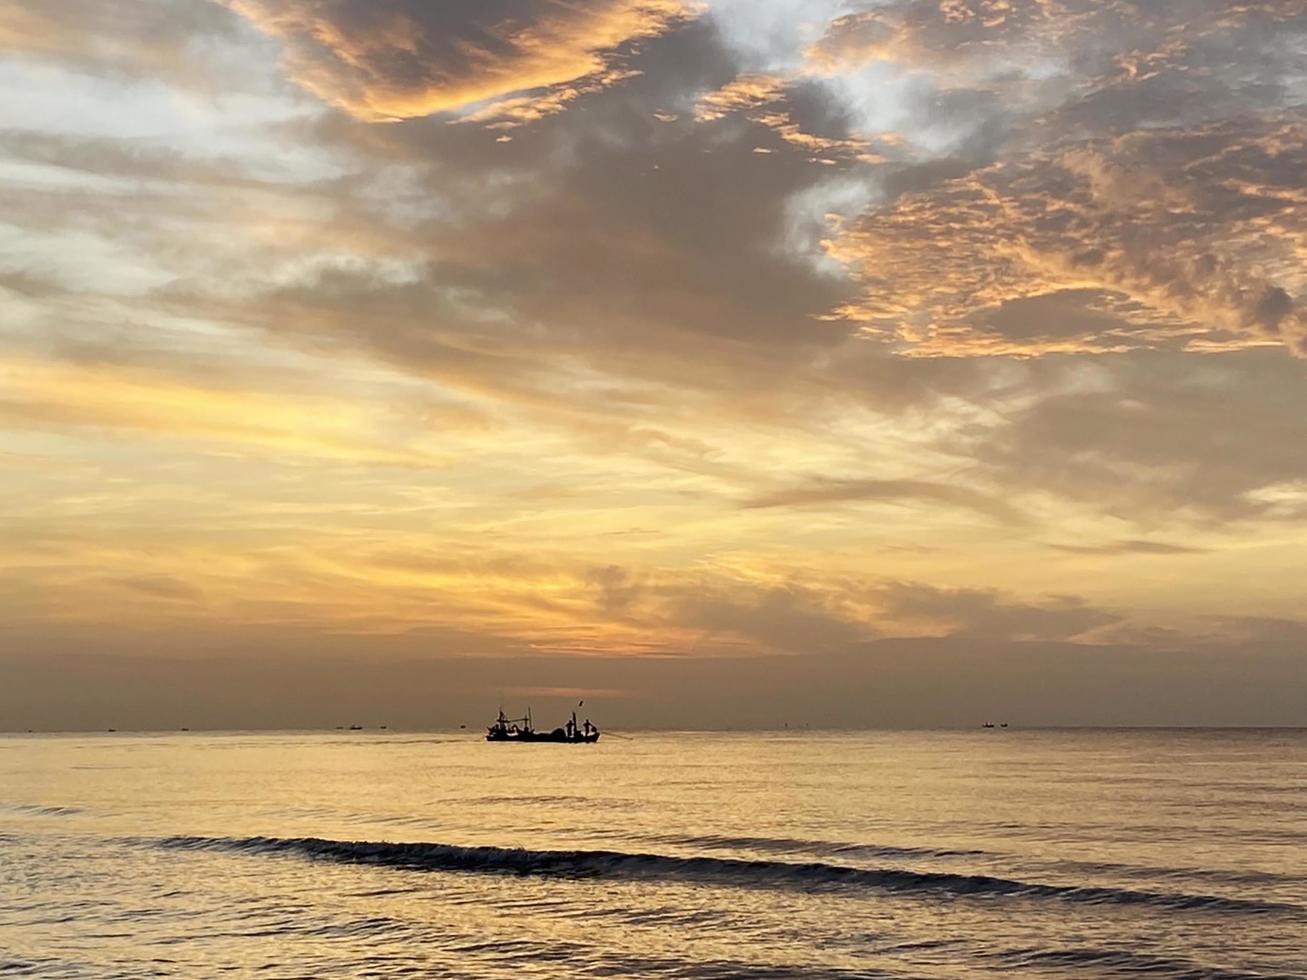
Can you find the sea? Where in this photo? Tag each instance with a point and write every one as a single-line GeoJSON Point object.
{"type": "Point", "coordinates": [824, 855]}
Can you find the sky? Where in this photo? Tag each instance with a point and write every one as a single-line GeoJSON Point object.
{"type": "Point", "coordinates": [724, 362]}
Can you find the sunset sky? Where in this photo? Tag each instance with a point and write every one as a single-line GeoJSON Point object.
{"type": "Point", "coordinates": [922, 359]}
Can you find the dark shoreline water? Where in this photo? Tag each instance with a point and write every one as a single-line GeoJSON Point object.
{"type": "Point", "coordinates": [1049, 853]}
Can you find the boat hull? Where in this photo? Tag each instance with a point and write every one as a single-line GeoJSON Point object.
{"type": "Point", "coordinates": [556, 737]}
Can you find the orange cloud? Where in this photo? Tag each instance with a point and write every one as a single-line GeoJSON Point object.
{"type": "Point", "coordinates": [743, 93]}
{"type": "Point", "coordinates": [398, 59]}
{"type": "Point", "coordinates": [762, 98]}
{"type": "Point", "coordinates": [1093, 247]}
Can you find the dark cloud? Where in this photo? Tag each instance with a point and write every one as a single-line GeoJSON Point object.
{"type": "Point", "coordinates": [1065, 313]}
{"type": "Point", "coordinates": [600, 240]}
{"type": "Point", "coordinates": [786, 618]}
{"type": "Point", "coordinates": [1158, 437]}
{"type": "Point", "coordinates": [825, 614]}
{"type": "Point", "coordinates": [162, 587]}
{"type": "Point", "coordinates": [617, 587]}
{"type": "Point", "coordinates": [28, 285]}
{"type": "Point", "coordinates": [985, 613]}
{"type": "Point", "coordinates": [804, 619]}
{"type": "Point", "coordinates": [1132, 546]}
{"type": "Point", "coordinates": [831, 491]}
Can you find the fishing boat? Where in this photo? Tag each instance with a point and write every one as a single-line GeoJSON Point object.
{"type": "Point", "coordinates": [507, 729]}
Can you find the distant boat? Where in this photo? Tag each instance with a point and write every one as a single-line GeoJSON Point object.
{"type": "Point", "coordinates": [356, 728]}
{"type": "Point", "coordinates": [507, 729]}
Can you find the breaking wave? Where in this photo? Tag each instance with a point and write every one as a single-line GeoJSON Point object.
{"type": "Point", "coordinates": [729, 871]}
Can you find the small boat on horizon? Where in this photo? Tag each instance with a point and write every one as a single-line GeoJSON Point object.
{"type": "Point", "coordinates": [507, 729]}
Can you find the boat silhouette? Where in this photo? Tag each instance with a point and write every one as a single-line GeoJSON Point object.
{"type": "Point", "coordinates": [507, 729]}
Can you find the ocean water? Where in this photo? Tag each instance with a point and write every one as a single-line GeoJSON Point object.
{"type": "Point", "coordinates": [987, 853]}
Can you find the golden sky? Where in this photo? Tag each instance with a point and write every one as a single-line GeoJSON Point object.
{"type": "Point", "coordinates": [611, 331]}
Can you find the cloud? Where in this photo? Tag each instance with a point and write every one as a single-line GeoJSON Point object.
{"type": "Point", "coordinates": [907, 492]}
{"type": "Point", "coordinates": [617, 586]}
{"type": "Point", "coordinates": [402, 58]}
{"type": "Point", "coordinates": [148, 38]}
{"type": "Point", "coordinates": [999, 42]}
{"type": "Point", "coordinates": [355, 377]}
{"type": "Point", "coordinates": [1134, 191]}
{"type": "Point", "coordinates": [1132, 546]}
{"type": "Point", "coordinates": [745, 92]}
{"type": "Point", "coordinates": [108, 159]}
{"type": "Point", "coordinates": [1199, 246]}
{"type": "Point", "coordinates": [1154, 438]}
{"type": "Point", "coordinates": [786, 617]}
{"type": "Point", "coordinates": [985, 613]}
{"type": "Point", "coordinates": [750, 611]}
{"type": "Point", "coordinates": [790, 109]}
{"type": "Point", "coordinates": [599, 248]}
{"type": "Point", "coordinates": [162, 586]}
{"type": "Point", "coordinates": [54, 397]}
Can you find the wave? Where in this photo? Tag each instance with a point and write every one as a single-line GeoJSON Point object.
{"type": "Point", "coordinates": [728, 871]}
{"type": "Point", "coordinates": [33, 809]}
{"type": "Point", "coordinates": [1124, 962]}
{"type": "Point", "coordinates": [542, 800]}
{"type": "Point", "coordinates": [793, 844]}
{"type": "Point", "coordinates": [1141, 872]}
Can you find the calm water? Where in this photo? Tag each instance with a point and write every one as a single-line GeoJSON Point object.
{"type": "Point", "coordinates": [929, 855]}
